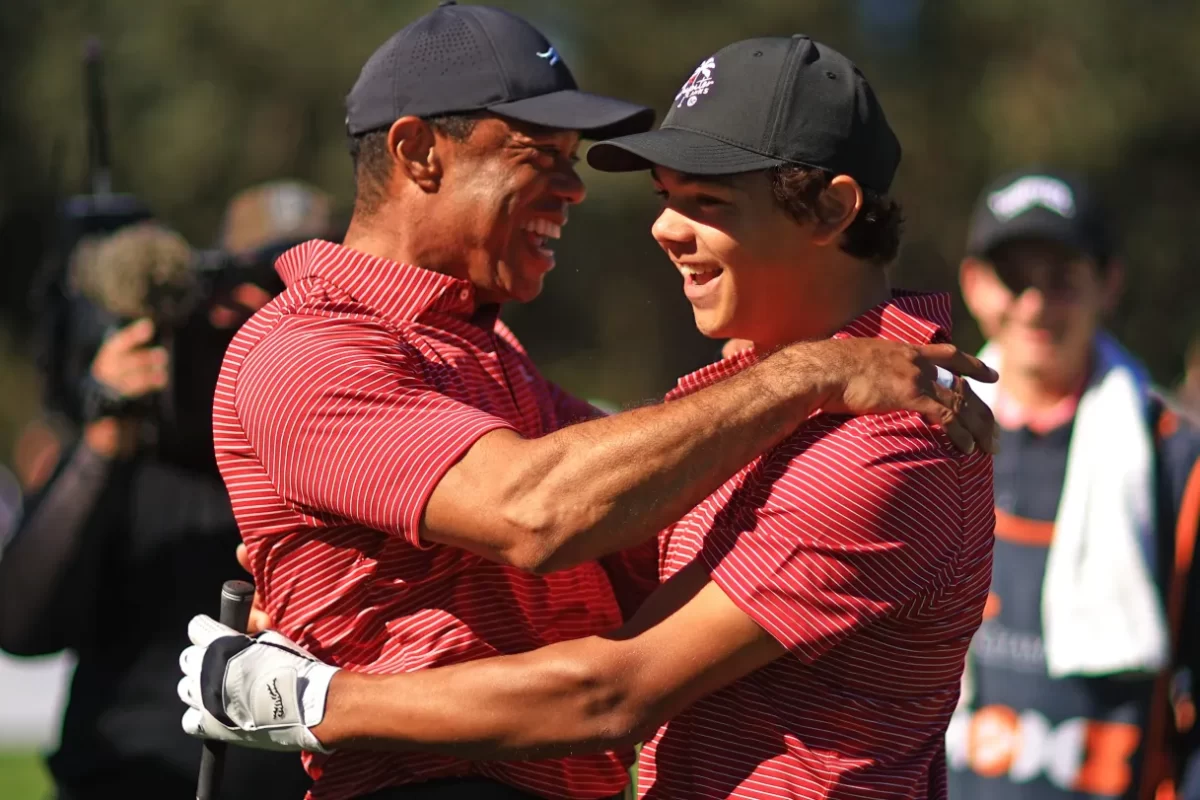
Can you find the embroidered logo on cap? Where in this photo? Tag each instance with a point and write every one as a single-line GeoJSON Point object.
{"type": "Point", "coordinates": [1032, 190]}
{"type": "Point", "coordinates": [699, 84]}
{"type": "Point", "coordinates": [550, 55]}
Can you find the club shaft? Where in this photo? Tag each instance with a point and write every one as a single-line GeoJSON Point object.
{"type": "Point", "coordinates": [237, 598]}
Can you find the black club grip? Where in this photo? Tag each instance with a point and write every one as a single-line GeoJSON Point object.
{"type": "Point", "coordinates": [237, 598]}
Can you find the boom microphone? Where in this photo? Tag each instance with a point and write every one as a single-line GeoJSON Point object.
{"type": "Point", "coordinates": [100, 163]}
{"type": "Point", "coordinates": [142, 270]}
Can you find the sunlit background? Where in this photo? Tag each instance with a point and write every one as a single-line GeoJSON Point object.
{"type": "Point", "coordinates": [209, 96]}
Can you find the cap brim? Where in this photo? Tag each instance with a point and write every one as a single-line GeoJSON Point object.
{"type": "Point", "coordinates": [678, 149]}
{"type": "Point", "coordinates": [593, 115]}
{"type": "Point", "coordinates": [1030, 226]}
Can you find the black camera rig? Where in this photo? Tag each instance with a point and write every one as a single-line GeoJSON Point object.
{"type": "Point", "coordinates": [74, 325]}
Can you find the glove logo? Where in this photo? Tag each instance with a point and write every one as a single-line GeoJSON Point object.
{"type": "Point", "coordinates": [273, 691]}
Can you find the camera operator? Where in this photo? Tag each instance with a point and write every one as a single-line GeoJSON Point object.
{"type": "Point", "coordinates": [133, 532]}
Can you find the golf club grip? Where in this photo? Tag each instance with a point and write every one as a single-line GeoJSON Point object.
{"type": "Point", "coordinates": [237, 598]}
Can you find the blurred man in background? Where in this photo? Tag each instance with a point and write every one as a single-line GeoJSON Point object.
{"type": "Point", "coordinates": [131, 531]}
{"type": "Point", "coordinates": [264, 220]}
{"type": "Point", "coordinates": [1078, 681]}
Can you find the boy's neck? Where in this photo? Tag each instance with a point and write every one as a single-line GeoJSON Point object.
{"type": "Point", "coordinates": [860, 286]}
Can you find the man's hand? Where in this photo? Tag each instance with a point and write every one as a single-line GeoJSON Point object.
{"type": "Point", "coordinates": [123, 370]}
{"type": "Point", "coordinates": [264, 692]}
{"type": "Point", "coordinates": [239, 306]}
{"type": "Point", "coordinates": [128, 368]}
{"type": "Point", "coordinates": [874, 376]}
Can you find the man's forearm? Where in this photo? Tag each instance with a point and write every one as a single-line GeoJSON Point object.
{"type": "Point", "coordinates": [548, 704]}
{"type": "Point", "coordinates": [605, 485]}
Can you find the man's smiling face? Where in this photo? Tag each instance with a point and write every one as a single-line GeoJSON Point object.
{"type": "Point", "coordinates": [510, 184]}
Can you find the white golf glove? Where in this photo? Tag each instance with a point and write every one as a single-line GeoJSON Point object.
{"type": "Point", "coordinates": [263, 691]}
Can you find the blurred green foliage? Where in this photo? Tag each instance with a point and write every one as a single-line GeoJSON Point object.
{"type": "Point", "coordinates": [209, 96]}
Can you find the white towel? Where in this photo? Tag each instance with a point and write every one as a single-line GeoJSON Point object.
{"type": "Point", "coordinates": [1101, 612]}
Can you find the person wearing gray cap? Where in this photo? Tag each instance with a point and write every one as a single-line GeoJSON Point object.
{"type": "Point", "coordinates": [1078, 681]}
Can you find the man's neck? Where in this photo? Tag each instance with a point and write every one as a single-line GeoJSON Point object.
{"type": "Point", "coordinates": [1039, 402]}
{"type": "Point", "coordinates": [375, 237]}
{"type": "Point", "coordinates": [1036, 392]}
{"type": "Point", "coordinates": [403, 243]}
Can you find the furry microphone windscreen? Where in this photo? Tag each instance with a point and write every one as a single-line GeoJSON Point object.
{"type": "Point", "coordinates": [142, 270]}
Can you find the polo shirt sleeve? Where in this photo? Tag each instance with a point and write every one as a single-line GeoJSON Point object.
{"type": "Point", "coordinates": [347, 425]}
{"type": "Point", "coordinates": [837, 530]}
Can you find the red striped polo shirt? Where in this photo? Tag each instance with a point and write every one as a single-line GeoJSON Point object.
{"type": "Point", "coordinates": [863, 545]}
{"type": "Point", "coordinates": [339, 407]}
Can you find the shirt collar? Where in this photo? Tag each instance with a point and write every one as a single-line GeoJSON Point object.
{"type": "Point", "coordinates": [911, 317]}
{"type": "Point", "coordinates": [397, 292]}
{"type": "Point", "coordinates": [1012, 416]}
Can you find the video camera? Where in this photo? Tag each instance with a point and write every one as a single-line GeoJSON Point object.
{"type": "Point", "coordinates": [110, 263]}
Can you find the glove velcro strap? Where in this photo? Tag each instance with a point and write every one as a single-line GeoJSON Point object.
{"type": "Point", "coordinates": [212, 674]}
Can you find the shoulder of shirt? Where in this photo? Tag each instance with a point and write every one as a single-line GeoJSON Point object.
{"type": "Point", "coordinates": [892, 469]}
{"type": "Point", "coordinates": [316, 307]}
{"type": "Point", "coordinates": [842, 447]}
{"type": "Point", "coordinates": [316, 298]}
{"type": "Point", "coordinates": [295, 323]}
{"type": "Point", "coordinates": [899, 431]}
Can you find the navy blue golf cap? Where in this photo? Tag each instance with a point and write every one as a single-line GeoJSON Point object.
{"type": "Point", "coordinates": [464, 58]}
{"type": "Point", "coordinates": [1040, 204]}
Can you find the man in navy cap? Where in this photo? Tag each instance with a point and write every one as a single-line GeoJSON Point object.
{"type": "Point", "coordinates": [1079, 680]}
{"type": "Point", "coordinates": [820, 577]}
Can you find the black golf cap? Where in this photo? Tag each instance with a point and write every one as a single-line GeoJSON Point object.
{"type": "Point", "coordinates": [459, 59]}
{"type": "Point", "coordinates": [762, 103]}
{"type": "Point", "coordinates": [1040, 205]}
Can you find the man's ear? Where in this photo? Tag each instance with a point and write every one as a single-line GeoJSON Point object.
{"type": "Point", "coordinates": [837, 207]}
{"type": "Point", "coordinates": [414, 150]}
